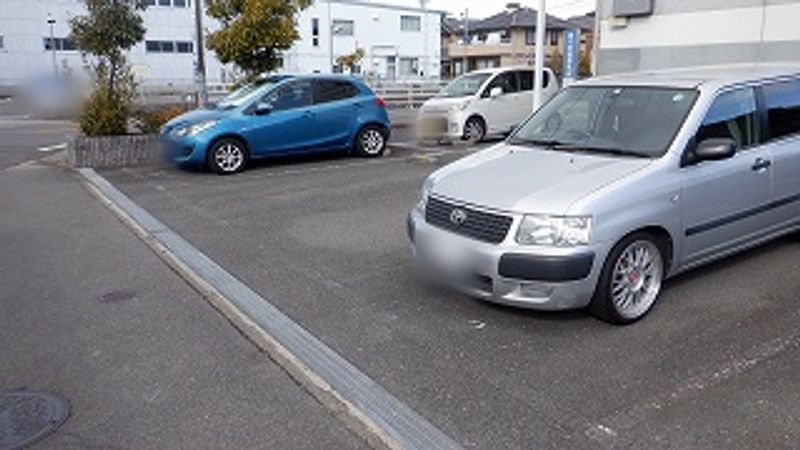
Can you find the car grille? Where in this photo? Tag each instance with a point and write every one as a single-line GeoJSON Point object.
{"type": "Point", "coordinates": [479, 225]}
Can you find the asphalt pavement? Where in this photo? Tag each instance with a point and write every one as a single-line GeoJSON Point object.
{"type": "Point", "coordinates": [89, 313]}
{"type": "Point", "coordinates": [324, 240]}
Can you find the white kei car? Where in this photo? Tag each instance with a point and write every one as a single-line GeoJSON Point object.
{"type": "Point", "coordinates": [489, 101]}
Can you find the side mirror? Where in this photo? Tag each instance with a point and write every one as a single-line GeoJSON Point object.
{"type": "Point", "coordinates": [262, 109]}
{"type": "Point", "coordinates": [715, 149]}
{"type": "Point", "coordinates": [496, 92]}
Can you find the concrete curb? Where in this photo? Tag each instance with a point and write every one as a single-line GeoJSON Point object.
{"type": "Point", "coordinates": [359, 402]}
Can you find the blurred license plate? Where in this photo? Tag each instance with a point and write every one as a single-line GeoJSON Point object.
{"type": "Point", "coordinates": [434, 125]}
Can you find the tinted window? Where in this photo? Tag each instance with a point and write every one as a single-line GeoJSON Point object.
{"type": "Point", "coordinates": [507, 81]}
{"type": "Point", "coordinates": [782, 101]}
{"type": "Point", "coordinates": [526, 80]}
{"type": "Point", "coordinates": [296, 94]}
{"type": "Point", "coordinates": [333, 90]}
{"type": "Point", "coordinates": [732, 115]}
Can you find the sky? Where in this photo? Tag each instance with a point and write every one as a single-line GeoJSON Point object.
{"type": "Point", "coordinates": [484, 8]}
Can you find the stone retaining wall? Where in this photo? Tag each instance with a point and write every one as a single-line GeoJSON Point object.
{"type": "Point", "coordinates": [113, 151]}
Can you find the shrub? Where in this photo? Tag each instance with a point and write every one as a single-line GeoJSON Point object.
{"type": "Point", "coordinates": [104, 114]}
{"type": "Point", "coordinates": [151, 120]}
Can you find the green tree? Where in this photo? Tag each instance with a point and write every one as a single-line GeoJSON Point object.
{"type": "Point", "coordinates": [351, 60]}
{"type": "Point", "coordinates": [110, 28]}
{"type": "Point", "coordinates": [254, 32]}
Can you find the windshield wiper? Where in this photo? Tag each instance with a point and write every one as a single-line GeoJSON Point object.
{"type": "Point", "coordinates": [549, 143]}
{"type": "Point", "coordinates": [603, 150]}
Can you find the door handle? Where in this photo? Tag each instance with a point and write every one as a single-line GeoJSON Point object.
{"type": "Point", "coordinates": [761, 164]}
{"type": "Point", "coordinates": [357, 105]}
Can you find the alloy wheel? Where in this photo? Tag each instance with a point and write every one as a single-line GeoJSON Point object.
{"type": "Point", "coordinates": [636, 279]}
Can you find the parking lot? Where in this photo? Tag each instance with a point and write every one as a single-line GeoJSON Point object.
{"type": "Point", "coordinates": [324, 240]}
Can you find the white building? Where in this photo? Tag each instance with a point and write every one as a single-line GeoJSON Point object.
{"type": "Point", "coordinates": [659, 34]}
{"type": "Point", "coordinates": [399, 42]}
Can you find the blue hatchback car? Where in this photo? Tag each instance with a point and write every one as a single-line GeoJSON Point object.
{"type": "Point", "coordinates": [280, 115]}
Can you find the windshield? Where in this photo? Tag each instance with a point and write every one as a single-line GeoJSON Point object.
{"type": "Point", "coordinates": [246, 93]}
{"type": "Point", "coordinates": [465, 85]}
{"type": "Point", "coordinates": [636, 121]}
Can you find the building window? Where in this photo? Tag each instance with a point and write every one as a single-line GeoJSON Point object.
{"type": "Point", "coordinates": [179, 3]}
{"type": "Point", "coordinates": [184, 47]}
{"type": "Point", "coordinates": [315, 32]}
{"type": "Point", "coordinates": [410, 23]}
{"type": "Point", "coordinates": [530, 37]}
{"type": "Point", "coordinates": [408, 67]}
{"type": "Point", "coordinates": [61, 44]}
{"type": "Point", "coordinates": [553, 38]}
{"type": "Point", "coordinates": [505, 36]}
{"type": "Point", "coordinates": [343, 27]}
{"type": "Point", "coordinates": [2, 43]}
{"type": "Point", "coordinates": [168, 46]}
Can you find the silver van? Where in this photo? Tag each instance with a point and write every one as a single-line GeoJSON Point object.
{"type": "Point", "coordinates": [615, 184]}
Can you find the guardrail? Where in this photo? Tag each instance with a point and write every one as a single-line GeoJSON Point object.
{"type": "Point", "coordinates": [398, 94]}
{"type": "Point", "coordinates": [407, 94]}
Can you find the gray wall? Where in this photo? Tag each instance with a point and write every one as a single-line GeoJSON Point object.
{"type": "Point", "coordinates": [640, 55]}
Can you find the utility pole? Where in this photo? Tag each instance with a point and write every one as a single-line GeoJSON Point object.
{"type": "Point", "coordinates": [330, 38]}
{"type": "Point", "coordinates": [465, 58]}
{"type": "Point", "coordinates": [51, 22]}
{"type": "Point", "coordinates": [541, 24]}
{"type": "Point", "coordinates": [200, 70]}
{"type": "Point", "coordinates": [426, 61]}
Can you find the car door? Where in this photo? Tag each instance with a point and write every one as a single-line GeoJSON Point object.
{"type": "Point", "coordinates": [782, 105]}
{"type": "Point", "coordinates": [337, 108]}
{"type": "Point", "coordinates": [282, 119]}
{"type": "Point", "coordinates": [503, 108]}
{"type": "Point", "coordinates": [722, 200]}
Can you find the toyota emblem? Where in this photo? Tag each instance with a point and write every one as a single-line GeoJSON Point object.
{"type": "Point", "coordinates": [458, 216]}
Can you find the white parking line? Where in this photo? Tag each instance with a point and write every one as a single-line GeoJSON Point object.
{"type": "Point", "coordinates": [52, 148]}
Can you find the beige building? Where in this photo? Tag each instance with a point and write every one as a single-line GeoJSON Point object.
{"type": "Point", "coordinates": [505, 39]}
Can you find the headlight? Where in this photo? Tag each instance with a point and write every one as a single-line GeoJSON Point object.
{"type": "Point", "coordinates": [197, 128]}
{"type": "Point", "coordinates": [554, 231]}
{"type": "Point", "coordinates": [460, 107]}
{"type": "Point", "coordinates": [423, 201]}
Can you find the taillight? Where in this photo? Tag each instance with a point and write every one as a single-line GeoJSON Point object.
{"type": "Point", "coordinates": [380, 102]}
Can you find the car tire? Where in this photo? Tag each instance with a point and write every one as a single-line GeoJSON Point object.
{"type": "Point", "coordinates": [631, 280]}
{"type": "Point", "coordinates": [227, 156]}
{"type": "Point", "coordinates": [370, 141]}
{"type": "Point", "coordinates": [474, 130]}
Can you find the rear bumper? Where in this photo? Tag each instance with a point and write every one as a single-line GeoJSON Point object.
{"type": "Point", "coordinates": [507, 273]}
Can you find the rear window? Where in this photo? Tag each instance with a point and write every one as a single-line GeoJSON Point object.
{"type": "Point", "coordinates": [333, 90]}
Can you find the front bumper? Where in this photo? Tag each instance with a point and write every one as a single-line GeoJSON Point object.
{"type": "Point", "coordinates": [183, 151]}
{"type": "Point", "coordinates": [507, 273]}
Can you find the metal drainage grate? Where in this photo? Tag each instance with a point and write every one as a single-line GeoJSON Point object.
{"type": "Point", "coordinates": [26, 417]}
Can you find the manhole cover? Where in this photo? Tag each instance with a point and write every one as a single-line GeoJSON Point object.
{"type": "Point", "coordinates": [28, 416]}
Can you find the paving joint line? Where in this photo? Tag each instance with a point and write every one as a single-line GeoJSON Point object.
{"type": "Point", "coordinates": [360, 403]}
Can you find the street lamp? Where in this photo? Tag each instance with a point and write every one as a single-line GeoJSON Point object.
{"type": "Point", "coordinates": [51, 22]}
